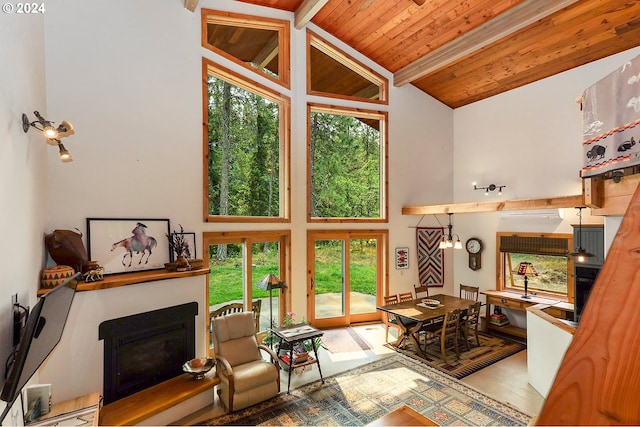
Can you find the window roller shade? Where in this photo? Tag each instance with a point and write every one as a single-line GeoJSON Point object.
{"type": "Point", "coordinates": [534, 245]}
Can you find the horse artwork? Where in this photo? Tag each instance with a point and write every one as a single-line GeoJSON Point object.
{"type": "Point", "coordinates": [138, 243]}
{"type": "Point", "coordinates": [123, 245]}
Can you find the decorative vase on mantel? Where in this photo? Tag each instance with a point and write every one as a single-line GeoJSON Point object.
{"type": "Point", "coordinates": [182, 264]}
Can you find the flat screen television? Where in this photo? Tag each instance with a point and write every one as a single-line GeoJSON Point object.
{"type": "Point", "coordinates": [41, 334]}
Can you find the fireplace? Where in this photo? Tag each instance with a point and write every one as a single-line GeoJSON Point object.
{"type": "Point", "coordinates": [145, 349]}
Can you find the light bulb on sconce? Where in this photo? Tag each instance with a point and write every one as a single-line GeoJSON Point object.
{"type": "Point", "coordinates": [489, 188]}
{"type": "Point", "coordinates": [52, 134]}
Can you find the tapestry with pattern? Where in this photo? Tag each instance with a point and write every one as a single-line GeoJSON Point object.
{"type": "Point", "coordinates": [430, 259]}
{"type": "Point", "coordinates": [611, 121]}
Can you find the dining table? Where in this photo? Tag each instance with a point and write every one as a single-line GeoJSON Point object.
{"type": "Point", "coordinates": [414, 314]}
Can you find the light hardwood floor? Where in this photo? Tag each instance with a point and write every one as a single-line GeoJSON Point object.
{"type": "Point", "coordinates": [506, 380]}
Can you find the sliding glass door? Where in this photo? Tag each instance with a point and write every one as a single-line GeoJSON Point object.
{"type": "Point", "coordinates": [347, 272]}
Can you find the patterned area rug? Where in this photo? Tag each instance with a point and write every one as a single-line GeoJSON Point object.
{"type": "Point", "coordinates": [344, 340]}
{"type": "Point", "coordinates": [361, 395]}
{"type": "Point", "coordinates": [491, 350]}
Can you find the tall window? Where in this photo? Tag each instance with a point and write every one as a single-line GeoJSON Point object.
{"type": "Point", "coordinates": [548, 254]}
{"type": "Point", "coordinates": [347, 164]}
{"type": "Point", "coordinates": [247, 150]}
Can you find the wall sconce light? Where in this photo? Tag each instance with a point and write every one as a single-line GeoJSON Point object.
{"type": "Point", "coordinates": [447, 241]}
{"type": "Point", "coordinates": [617, 176]}
{"type": "Point", "coordinates": [490, 187]}
{"type": "Point", "coordinates": [52, 134]}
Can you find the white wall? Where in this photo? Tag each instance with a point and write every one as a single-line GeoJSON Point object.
{"type": "Point", "coordinates": [528, 139]}
{"type": "Point", "coordinates": [23, 168]}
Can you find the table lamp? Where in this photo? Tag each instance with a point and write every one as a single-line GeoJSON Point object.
{"type": "Point", "coordinates": [526, 269]}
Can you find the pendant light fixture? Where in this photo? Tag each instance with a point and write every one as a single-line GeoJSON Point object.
{"type": "Point", "coordinates": [447, 241]}
{"type": "Point", "coordinates": [580, 254]}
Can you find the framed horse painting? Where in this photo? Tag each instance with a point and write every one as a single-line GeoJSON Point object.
{"type": "Point", "coordinates": [124, 245]}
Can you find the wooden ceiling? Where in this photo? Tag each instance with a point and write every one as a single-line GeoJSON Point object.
{"type": "Point", "coordinates": [462, 51]}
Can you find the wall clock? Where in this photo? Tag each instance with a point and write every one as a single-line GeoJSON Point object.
{"type": "Point", "coordinates": [474, 248]}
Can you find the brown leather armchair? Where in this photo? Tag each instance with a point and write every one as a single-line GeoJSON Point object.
{"type": "Point", "coordinates": [245, 377]}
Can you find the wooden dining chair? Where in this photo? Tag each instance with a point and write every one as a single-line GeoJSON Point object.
{"type": "Point", "coordinates": [421, 291]}
{"type": "Point", "coordinates": [389, 319]}
{"type": "Point", "coordinates": [448, 330]}
{"type": "Point", "coordinates": [406, 296]}
{"type": "Point", "coordinates": [469, 323]}
{"type": "Point", "coordinates": [469, 292]}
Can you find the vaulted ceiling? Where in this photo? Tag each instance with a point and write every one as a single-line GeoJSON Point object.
{"type": "Point", "coordinates": [462, 51]}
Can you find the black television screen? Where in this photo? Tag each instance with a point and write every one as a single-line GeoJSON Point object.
{"type": "Point", "coordinates": [41, 334]}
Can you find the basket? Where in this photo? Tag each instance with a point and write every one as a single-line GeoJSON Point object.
{"type": "Point", "coordinates": [53, 276]}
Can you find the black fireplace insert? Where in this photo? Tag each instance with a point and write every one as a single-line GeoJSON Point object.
{"type": "Point", "coordinates": [146, 349]}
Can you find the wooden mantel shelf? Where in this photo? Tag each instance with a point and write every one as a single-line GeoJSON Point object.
{"type": "Point", "coordinates": [496, 206]}
{"type": "Point", "coordinates": [124, 279]}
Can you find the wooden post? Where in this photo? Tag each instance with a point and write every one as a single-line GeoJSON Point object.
{"type": "Point", "coordinates": [598, 382]}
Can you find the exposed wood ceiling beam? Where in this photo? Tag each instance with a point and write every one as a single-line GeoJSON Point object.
{"type": "Point", "coordinates": [499, 27]}
{"type": "Point", "coordinates": [191, 4]}
{"type": "Point", "coordinates": [307, 11]}
{"type": "Point", "coordinates": [504, 205]}
{"type": "Point", "coordinates": [267, 53]}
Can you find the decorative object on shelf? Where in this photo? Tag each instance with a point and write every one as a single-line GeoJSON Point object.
{"type": "Point", "coordinates": [124, 245]}
{"type": "Point", "coordinates": [448, 242]}
{"type": "Point", "coordinates": [490, 187]}
{"type": "Point", "coordinates": [580, 254]}
{"type": "Point", "coordinates": [430, 257]}
{"type": "Point", "coordinates": [199, 367]}
{"type": "Point", "coordinates": [182, 243]}
{"type": "Point", "coordinates": [474, 248]}
{"type": "Point", "coordinates": [269, 283]}
{"type": "Point", "coordinates": [402, 258]}
{"type": "Point", "coordinates": [51, 133]}
{"type": "Point", "coordinates": [89, 265]}
{"type": "Point", "coordinates": [53, 276]}
{"type": "Point", "coordinates": [526, 269]}
{"type": "Point", "coordinates": [94, 275]}
{"type": "Point", "coordinates": [66, 248]}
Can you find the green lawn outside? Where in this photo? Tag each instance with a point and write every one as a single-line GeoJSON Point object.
{"type": "Point", "coordinates": [225, 279]}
